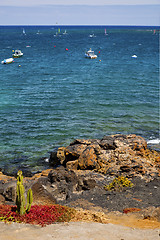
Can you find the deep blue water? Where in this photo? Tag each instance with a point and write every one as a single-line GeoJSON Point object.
{"type": "Point", "coordinates": [51, 96]}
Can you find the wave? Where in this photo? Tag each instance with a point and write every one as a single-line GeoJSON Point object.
{"type": "Point", "coordinates": [154, 141]}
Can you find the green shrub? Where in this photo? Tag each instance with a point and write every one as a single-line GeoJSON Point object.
{"type": "Point", "coordinates": [118, 184]}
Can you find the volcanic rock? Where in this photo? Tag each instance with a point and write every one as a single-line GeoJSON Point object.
{"type": "Point", "coordinates": [82, 169]}
{"type": "Point", "coordinates": [112, 155]}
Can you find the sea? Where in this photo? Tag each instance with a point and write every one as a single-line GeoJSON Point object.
{"type": "Point", "coordinates": [53, 94]}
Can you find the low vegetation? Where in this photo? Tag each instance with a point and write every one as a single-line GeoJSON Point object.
{"type": "Point", "coordinates": [38, 214]}
{"type": "Point", "coordinates": [118, 184]}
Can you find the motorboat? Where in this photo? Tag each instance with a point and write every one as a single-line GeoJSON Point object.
{"type": "Point", "coordinates": [92, 35]}
{"type": "Point", "coordinates": [17, 54]}
{"type": "Point", "coordinates": [7, 61]}
{"type": "Point", "coordinates": [90, 54]}
{"type": "Point", "coordinates": [38, 32]}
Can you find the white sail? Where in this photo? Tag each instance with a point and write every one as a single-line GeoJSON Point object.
{"type": "Point", "coordinates": [24, 31]}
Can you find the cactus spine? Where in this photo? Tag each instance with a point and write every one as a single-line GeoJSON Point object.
{"type": "Point", "coordinates": [20, 198]}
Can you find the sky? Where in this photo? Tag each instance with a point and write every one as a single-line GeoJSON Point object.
{"type": "Point", "coordinates": [80, 12]}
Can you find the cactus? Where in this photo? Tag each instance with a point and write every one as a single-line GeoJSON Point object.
{"type": "Point", "coordinates": [29, 200]}
{"type": "Point", "coordinates": [20, 198]}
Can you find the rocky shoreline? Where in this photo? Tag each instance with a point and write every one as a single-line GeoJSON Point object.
{"type": "Point", "coordinates": [80, 171]}
{"type": "Point", "coordinates": [112, 155]}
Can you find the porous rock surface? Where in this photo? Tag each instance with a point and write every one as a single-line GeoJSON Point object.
{"type": "Point", "coordinates": [112, 155]}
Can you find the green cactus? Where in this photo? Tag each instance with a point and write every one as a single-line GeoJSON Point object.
{"type": "Point", "coordinates": [20, 198]}
{"type": "Point", "coordinates": [29, 200]}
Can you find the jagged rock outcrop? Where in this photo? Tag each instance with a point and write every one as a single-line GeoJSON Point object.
{"type": "Point", "coordinates": [113, 155]}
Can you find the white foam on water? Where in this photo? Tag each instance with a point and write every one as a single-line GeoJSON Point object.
{"type": "Point", "coordinates": [154, 141]}
{"type": "Point", "coordinates": [46, 159]}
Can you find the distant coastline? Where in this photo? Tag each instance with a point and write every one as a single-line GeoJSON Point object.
{"type": "Point", "coordinates": [157, 27]}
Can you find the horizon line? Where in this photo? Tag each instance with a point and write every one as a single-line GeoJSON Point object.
{"type": "Point", "coordinates": [93, 5]}
{"type": "Point", "coordinates": [82, 25]}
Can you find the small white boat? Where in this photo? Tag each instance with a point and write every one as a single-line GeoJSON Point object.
{"type": "Point", "coordinates": [92, 35]}
{"type": "Point", "coordinates": [65, 32]}
{"type": "Point", "coordinates": [90, 54]}
{"type": "Point", "coordinates": [38, 32]}
{"type": "Point", "coordinates": [17, 54]}
{"type": "Point", "coordinates": [7, 61]}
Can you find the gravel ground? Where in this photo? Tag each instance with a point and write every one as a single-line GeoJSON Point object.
{"type": "Point", "coordinates": [76, 231]}
{"type": "Point", "coordinates": [142, 195]}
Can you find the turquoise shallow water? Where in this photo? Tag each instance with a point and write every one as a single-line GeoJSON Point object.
{"type": "Point", "coordinates": [57, 95]}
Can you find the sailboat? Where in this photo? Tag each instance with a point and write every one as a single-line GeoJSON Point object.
{"type": "Point", "coordinates": [57, 33]}
{"type": "Point", "coordinates": [65, 32]}
{"type": "Point", "coordinates": [105, 32]}
{"type": "Point", "coordinates": [24, 31]}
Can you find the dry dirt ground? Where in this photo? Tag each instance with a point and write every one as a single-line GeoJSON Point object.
{"type": "Point", "coordinates": [76, 231]}
{"type": "Point", "coordinates": [108, 227]}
